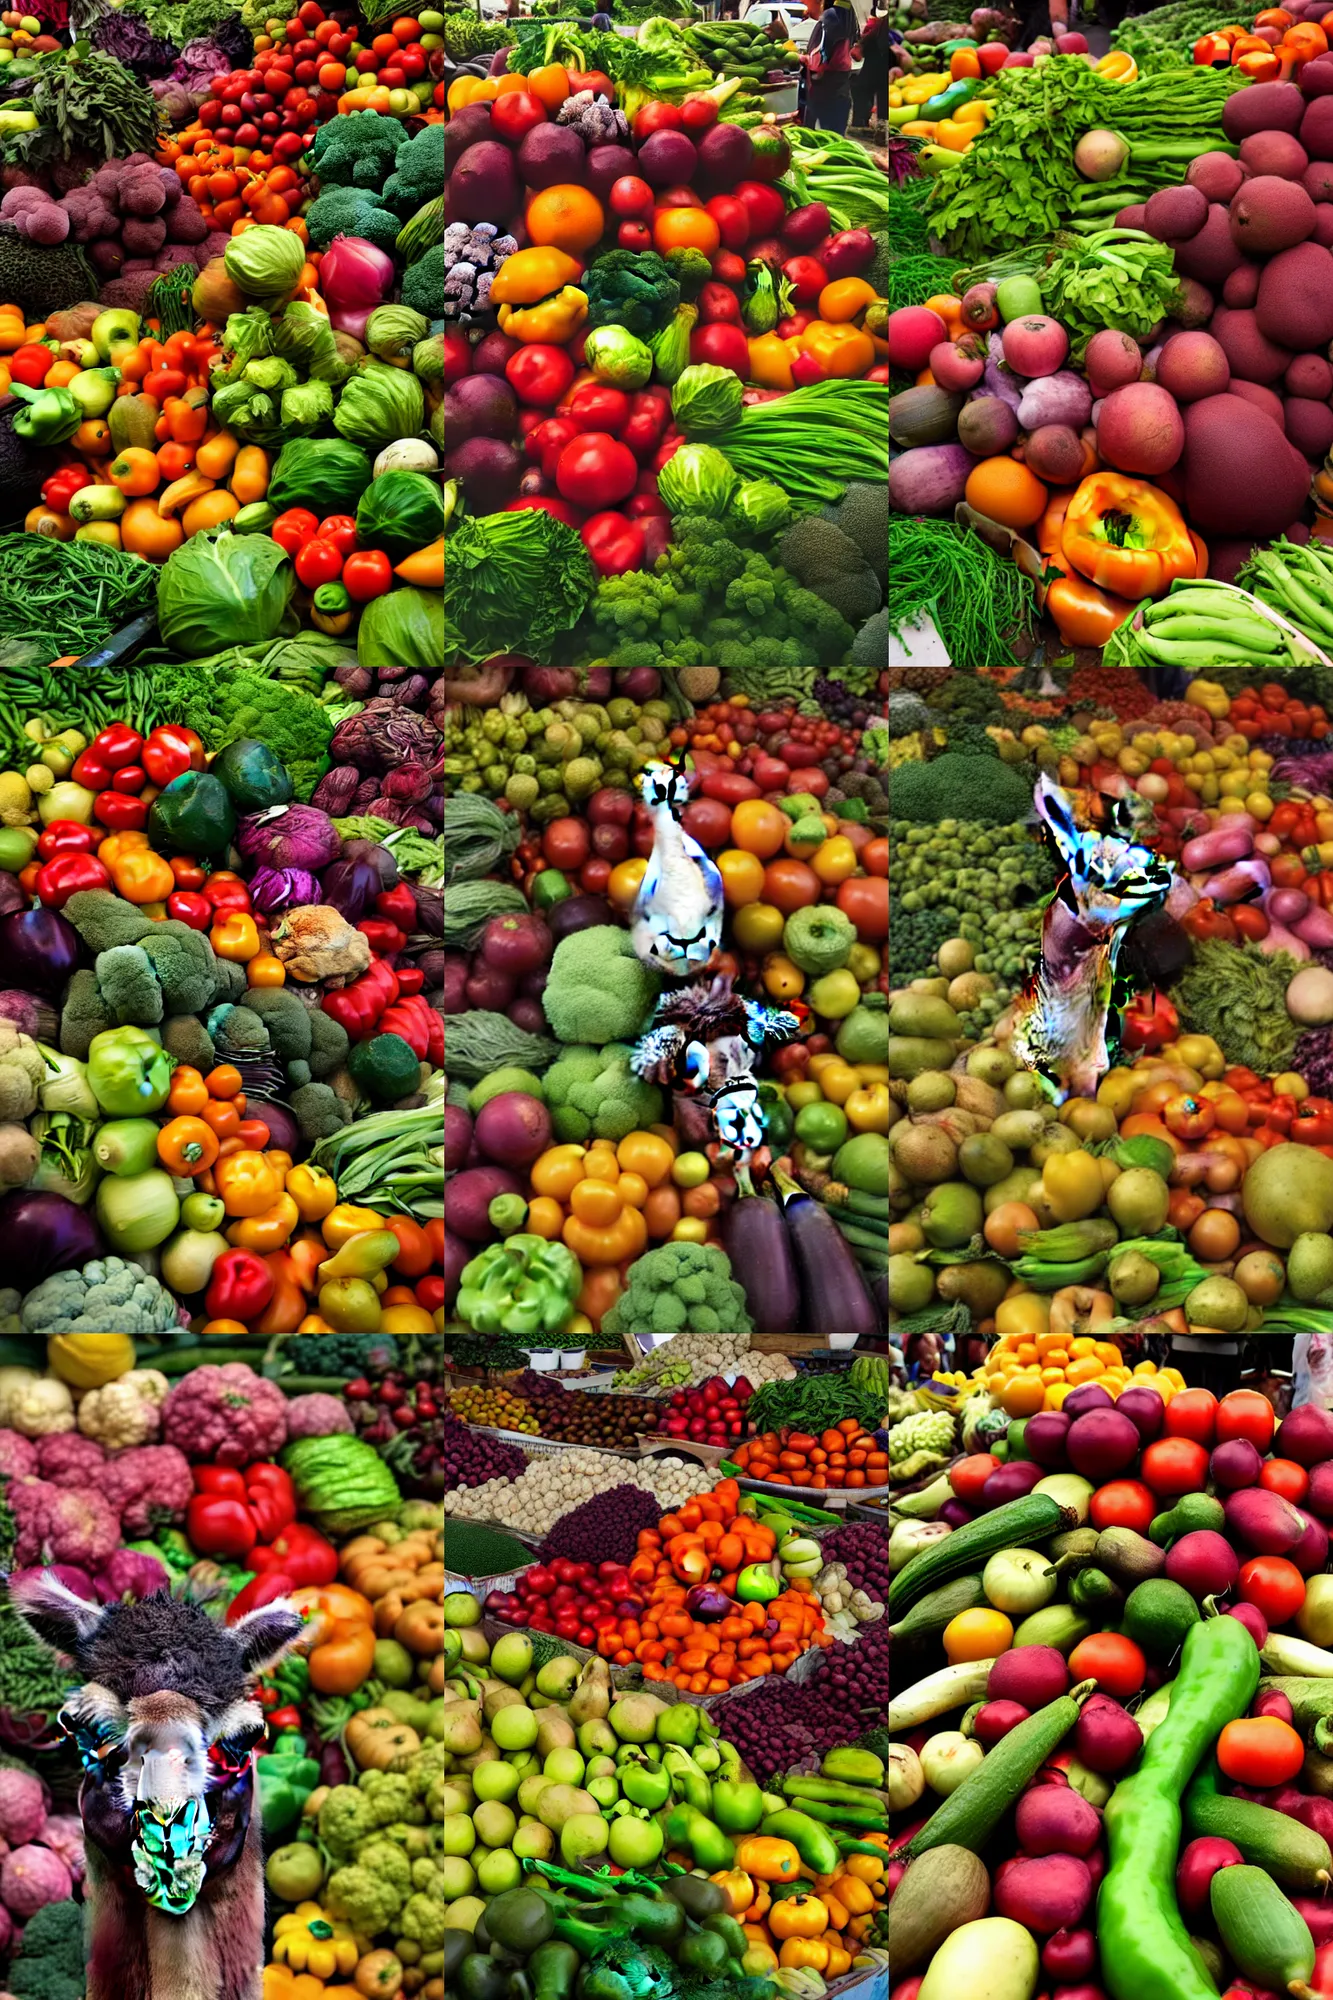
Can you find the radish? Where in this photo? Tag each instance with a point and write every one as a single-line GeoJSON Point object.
{"type": "Point", "coordinates": [1252, 1618]}
{"type": "Point", "coordinates": [1069, 1955]}
{"type": "Point", "coordinates": [1197, 1867]}
{"type": "Point", "coordinates": [1235, 1464]}
{"type": "Point", "coordinates": [1263, 1522]}
{"type": "Point", "coordinates": [1273, 1703]}
{"type": "Point", "coordinates": [1106, 1737]}
{"type": "Point", "coordinates": [1204, 1562]}
{"type": "Point", "coordinates": [996, 1719]}
{"type": "Point", "coordinates": [1102, 1443]}
{"type": "Point", "coordinates": [1050, 1821]}
{"type": "Point", "coordinates": [1046, 1894]}
{"type": "Point", "coordinates": [1032, 1675]}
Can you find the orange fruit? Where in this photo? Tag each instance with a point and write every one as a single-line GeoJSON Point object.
{"type": "Point", "coordinates": [550, 85]}
{"type": "Point", "coordinates": [567, 216]}
{"type": "Point", "coordinates": [1007, 492]}
{"type": "Point", "coordinates": [686, 229]}
{"type": "Point", "coordinates": [758, 827]}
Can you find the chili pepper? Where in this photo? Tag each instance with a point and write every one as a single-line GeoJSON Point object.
{"type": "Point", "coordinates": [318, 561]}
{"type": "Point", "coordinates": [240, 1287]}
{"type": "Point", "coordinates": [188, 908]}
{"type": "Point", "coordinates": [358, 1007]}
{"type": "Point", "coordinates": [120, 811]}
{"type": "Point", "coordinates": [67, 836]}
{"type": "Point", "coordinates": [1146, 1952]}
{"type": "Point", "coordinates": [167, 754]}
{"type": "Point", "coordinates": [66, 874]}
{"type": "Point", "coordinates": [292, 530]}
{"type": "Point", "coordinates": [383, 936]}
{"type": "Point", "coordinates": [61, 487]}
{"type": "Point", "coordinates": [118, 745]}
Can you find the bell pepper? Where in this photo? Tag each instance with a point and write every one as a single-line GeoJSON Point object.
{"type": "Point", "coordinates": [1149, 1023]}
{"type": "Point", "coordinates": [268, 1230]}
{"type": "Point", "coordinates": [235, 936]}
{"type": "Point", "coordinates": [61, 487]}
{"type": "Point", "coordinates": [67, 836]}
{"type": "Point", "coordinates": [314, 1192]}
{"type": "Point", "coordinates": [529, 276]}
{"type": "Point", "coordinates": [66, 874]}
{"type": "Point", "coordinates": [768, 1859]}
{"type": "Point", "coordinates": [1126, 536]}
{"type": "Point", "coordinates": [286, 1780]}
{"type": "Point", "coordinates": [552, 322]}
{"type": "Point", "coordinates": [299, 1553]}
{"type": "Point", "coordinates": [770, 362]}
{"type": "Point", "coordinates": [186, 906]}
{"type": "Point", "coordinates": [247, 1183]}
{"type": "Point", "coordinates": [1083, 614]}
{"type": "Point", "coordinates": [193, 813]}
{"type": "Point", "coordinates": [344, 1221]}
{"type": "Point", "coordinates": [383, 936]}
{"type": "Point", "coordinates": [399, 905]}
{"type": "Point", "coordinates": [418, 1025]}
{"type": "Point", "coordinates": [358, 1007]}
{"type": "Point", "coordinates": [168, 753]}
{"type": "Point", "coordinates": [141, 876]}
{"type": "Point", "coordinates": [240, 1287]}
{"type": "Point", "coordinates": [118, 745]}
{"type": "Point", "coordinates": [524, 1285]}
{"type": "Point", "coordinates": [841, 350]}
{"type": "Point", "coordinates": [51, 416]}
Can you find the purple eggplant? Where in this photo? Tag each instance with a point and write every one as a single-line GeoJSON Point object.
{"type": "Point", "coordinates": [834, 1295]}
{"type": "Point", "coordinates": [761, 1261]}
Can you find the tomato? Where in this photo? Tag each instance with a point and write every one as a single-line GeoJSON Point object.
{"type": "Point", "coordinates": [1246, 1414]}
{"type": "Point", "coordinates": [599, 407]}
{"type": "Point", "coordinates": [758, 827]}
{"type": "Point", "coordinates": [732, 218]}
{"type": "Point", "coordinates": [1193, 1414]}
{"type": "Point", "coordinates": [791, 885]}
{"type": "Point", "coordinates": [875, 857]}
{"type": "Point", "coordinates": [719, 305]}
{"type": "Point", "coordinates": [367, 573]}
{"type": "Point", "coordinates": [1123, 1503]}
{"type": "Point", "coordinates": [684, 229]}
{"type": "Point", "coordinates": [764, 205]}
{"type": "Point", "coordinates": [656, 117]}
{"type": "Point", "coordinates": [631, 197]}
{"type": "Point", "coordinates": [1260, 1750]}
{"type": "Point", "coordinates": [615, 543]}
{"type": "Point", "coordinates": [970, 1474]}
{"type": "Point", "coordinates": [1284, 1476]}
{"type": "Point", "coordinates": [721, 346]}
{"type": "Point", "coordinates": [539, 374]}
{"type": "Point", "coordinates": [865, 899]}
{"type": "Point", "coordinates": [1275, 1585]}
{"type": "Point", "coordinates": [1113, 1661]}
{"type": "Point", "coordinates": [1174, 1465]}
{"type": "Point", "coordinates": [709, 822]}
{"type": "Point", "coordinates": [515, 114]}
{"type": "Point", "coordinates": [742, 876]}
{"type": "Point", "coordinates": [596, 471]}
{"type": "Point", "coordinates": [566, 843]}
{"type": "Point", "coordinates": [807, 278]}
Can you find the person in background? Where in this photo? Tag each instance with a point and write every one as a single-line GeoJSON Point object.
{"type": "Point", "coordinates": [828, 67]}
{"type": "Point", "coordinates": [603, 24]}
{"type": "Point", "coordinates": [870, 84]}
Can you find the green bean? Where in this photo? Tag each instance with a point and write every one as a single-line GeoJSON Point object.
{"type": "Point", "coordinates": [1146, 1952]}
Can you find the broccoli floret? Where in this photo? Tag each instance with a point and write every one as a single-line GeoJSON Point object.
{"type": "Point", "coordinates": [240, 1032]}
{"type": "Point", "coordinates": [287, 1021]}
{"type": "Point", "coordinates": [341, 1354]}
{"type": "Point", "coordinates": [185, 1037]}
{"type": "Point", "coordinates": [682, 1287]}
{"type": "Point", "coordinates": [319, 1112]}
{"type": "Point", "coordinates": [352, 211]}
{"type": "Point", "coordinates": [229, 982]}
{"type": "Point", "coordinates": [83, 1015]}
{"type": "Point", "coordinates": [128, 986]}
{"type": "Point", "coordinates": [593, 1093]}
{"type": "Point", "coordinates": [185, 964]}
{"type": "Point", "coordinates": [357, 151]}
{"type": "Point", "coordinates": [830, 563]}
{"type": "Point", "coordinates": [328, 1044]}
{"type": "Point", "coordinates": [103, 920]}
{"type": "Point", "coordinates": [825, 630]}
{"type": "Point", "coordinates": [419, 171]}
{"type": "Point", "coordinates": [598, 990]}
{"type": "Point", "coordinates": [108, 1292]}
{"type": "Point", "coordinates": [870, 648]}
{"type": "Point", "coordinates": [954, 787]}
{"type": "Point", "coordinates": [423, 284]}
{"type": "Point", "coordinates": [629, 288]}
{"type": "Point", "coordinates": [49, 1962]}
{"type": "Point", "coordinates": [863, 514]}
{"type": "Point", "coordinates": [691, 270]}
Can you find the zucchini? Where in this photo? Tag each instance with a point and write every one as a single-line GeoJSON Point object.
{"type": "Point", "coordinates": [1016, 1525]}
{"type": "Point", "coordinates": [1057, 1625]}
{"type": "Point", "coordinates": [952, 1687]}
{"type": "Point", "coordinates": [1293, 1854]}
{"type": "Point", "coordinates": [930, 1614]}
{"type": "Point", "coordinates": [1265, 1937]}
{"type": "Point", "coordinates": [1282, 1655]}
{"type": "Point", "coordinates": [969, 1816]}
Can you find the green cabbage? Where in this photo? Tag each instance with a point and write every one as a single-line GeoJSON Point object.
{"type": "Point", "coordinates": [393, 331]}
{"type": "Point", "coordinates": [325, 474]}
{"type": "Point", "coordinates": [378, 404]}
{"type": "Point", "coordinates": [214, 585]}
{"type": "Point", "coordinates": [400, 512]}
{"type": "Point", "coordinates": [265, 262]}
{"type": "Point", "coordinates": [618, 357]}
{"type": "Point", "coordinates": [707, 400]}
{"type": "Point", "coordinates": [761, 507]}
{"type": "Point", "coordinates": [304, 337]}
{"type": "Point", "coordinates": [697, 479]}
{"type": "Point", "coordinates": [404, 628]}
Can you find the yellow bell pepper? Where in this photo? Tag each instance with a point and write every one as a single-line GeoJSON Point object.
{"type": "Point", "coordinates": [110, 850]}
{"type": "Point", "coordinates": [811, 1951]}
{"type": "Point", "coordinates": [841, 351]}
{"type": "Point", "coordinates": [800, 1916]}
{"type": "Point", "coordinates": [247, 1183]}
{"type": "Point", "coordinates": [554, 321]}
{"type": "Point", "coordinates": [142, 876]}
{"type": "Point", "coordinates": [314, 1192]}
{"type": "Point", "coordinates": [345, 1221]}
{"type": "Point", "coordinates": [268, 1230]}
{"type": "Point", "coordinates": [532, 275]}
{"type": "Point", "coordinates": [954, 138]}
{"type": "Point", "coordinates": [236, 936]}
{"type": "Point", "coordinates": [309, 1941]}
{"type": "Point", "coordinates": [737, 1887]}
{"type": "Point", "coordinates": [770, 363]}
{"type": "Point", "coordinates": [855, 1894]}
{"type": "Point", "coordinates": [844, 299]}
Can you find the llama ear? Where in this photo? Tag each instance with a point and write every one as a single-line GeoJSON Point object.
{"type": "Point", "coordinates": [266, 1634]}
{"type": "Point", "coordinates": [54, 1612]}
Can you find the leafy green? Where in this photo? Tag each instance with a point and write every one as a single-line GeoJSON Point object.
{"type": "Point", "coordinates": [977, 601]}
{"type": "Point", "coordinates": [1120, 278]}
{"type": "Point", "coordinates": [514, 582]}
{"type": "Point", "coordinates": [379, 405]}
{"type": "Point", "coordinates": [400, 512]}
{"type": "Point", "coordinates": [326, 474]}
{"type": "Point", "coordinates": [406, 628]}
{"type": "Point", "coordinates": [237, 584]}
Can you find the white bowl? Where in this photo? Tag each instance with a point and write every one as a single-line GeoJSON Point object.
{"type": "Point", "coordinates": [544, 1360]}
{"type": "Point", "coordinates": [843, 1340]}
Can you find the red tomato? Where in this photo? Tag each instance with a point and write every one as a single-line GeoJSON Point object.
{"type": "Point", "coordinates": [598, 407]}
{"type": "Point", "coordinates": [970, 1474]}
{"type": "Point", "coordinates": [864, 898]}
{"type": "Point", "coordinates": [516, 114]}
{"type": "Point", "coordinates": [719, 305]}
{"type": "Point", "coordinates": [539, 374]}
{"type": "Point", "coordinates": [732, 218]}
{"type": "Point", "coordinates": [1123, 1503]}
{"type": "Point", "coordinates": [698, 113]}
{"type": "Point", "coordinates": [634, 236]}
{"type": "Point", "coordinates": [1193, 1414]}
{"type": "Point", "coordinates": [807, 278]}
{"type": "Point", "coordinates": [722, 345]}
{"type": "Point", "coordinates": [655, 117]}
{"type": "Point", "coordinates": [596, 471]}
{"type": "Point", "coordinates": [1113, 1661]}
{"type": "Point", "coordinates": [708, 821]}
{"type": "Point", "coordinates": [1259, 1750]}
{"type": "Point", "coordinates": [764, 205]}
{"type": "Point", "coordinates": [1284, 1476]}
{"type": "Point", "coordinates": [614, 542]}
{"type": "Point", "coordinates": [1275, 1585]}
{"type": "Point", "coordinates": [567, 843]}
{"type": "Point", "coordinates": [1172, 1466]}
{"type": "Point", "coordinates": [629, 196]}
{"type": "Point", "coordinates": [595, 80]}
{"type": "Point", "coordinates": [1246, 1414]}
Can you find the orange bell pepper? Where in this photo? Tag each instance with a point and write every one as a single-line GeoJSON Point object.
{"type": "Point", "coordinates": [186, 1146]}
{"type": "Point", "coordinates": [268, 1230]}
{"type": "Point", "coordinates": [841, 351]}
{"type": "Point", "coordinates": [1083, 614]}
{"type": "Point", "coordinates": [248, 1185]}
{"type": "Point", "coordinates": [1126, 536]}
{"type": "Point", "coordinates": [142, 876]}
{"type": "Point", "coordinates": [135, 472]}
{"type": "Point", "coordinates": [770, 363]}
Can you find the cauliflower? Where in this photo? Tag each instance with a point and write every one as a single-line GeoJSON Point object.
{"type": "Point", "coordinates": [67, 1459]}
{"type": "Point", "coordinates": [226, 1416]}
{"type": "Point", "coordinates": [17, 1456]}
{"type": "Point", "coordinates": [39, 1406]}
{"type": "Point", "coordinates": [150, 1485]}
{"type": "Point", "coordinates": [367, 1900]}
{"type": "Point", "coordinates": [61, 1524]}
{"type": "Point", "coordinates": [127, 1412]}
{"type": "Point", "coordinates": [318, 1416]}
{"type": "Point", "coordinates": [107, 1292]}
{"type": "Point", "coordinates": [422, 1920]}
{"type": "Point", "coordinates": [346, 1818]}
{"type": "Point", "coordinates": [22, 1073]}
{"type": "Point", "coordinates": [926, 1430]}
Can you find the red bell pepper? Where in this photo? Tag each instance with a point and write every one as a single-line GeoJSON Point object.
{"type": "Point", "coordinates": [358, 1007]}
{"type": "Point", "coordinates": [399, 905]}
{"type": "Point", "coordinates": [411, 979]}
{"type": "Point", "coordinates": [383, 936]}
{"type": "Point", "coordinates": [65, 874]}
{"type": "Point", "coordinates": [186, 906]}
{"type": "Point", "coordinates": [264, 1589]}
{"type": "Point", "coordinates": [416, 1021]}
{"type": "Point", "coordinates": [68, 836]}
{"type": "Point", "coordinates": [272, 1497]}
{"type": "Point", "coordinates": [240, 1287]}
{"type": "Point", "coordinates": [219, 1523]}
{"type": "Point", "coordinates": [300, 1553]}
{"type": "Point", "coordinates": [118, 745]}
{"type": "Point", "coordinates": [168, 753]}
{"type": "Point", "coordinates": [120, 812]}
{"type": "Point", "coordinates": [1150, 1022]}
{"type": "Point", "coordinates": [61, 487]}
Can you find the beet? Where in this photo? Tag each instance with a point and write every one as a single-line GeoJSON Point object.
{"type": "Point", "coordinates": [605, 166]}
{"type": "Point", "coordinates": [1132, 216]}
{"type": "Point", "coordinates": [1241, 287]}
{"type": "Point", "coordinates": [1203, 1563]}
{"type": "Point", "coordinates": [1101, 1443]}
{"type": "Point", "coordinates": [1309, 425]}
{"type": "Point", "coordinates": [512, 1129]}
{"type": "Point", "coordinates": [1274, 153]}
{"type": "Point", "coordinates": [1317, 77]}
{"type": "Point", "coordinates": [1260, 398]}
{"type": "Point", "coordinates": [1235, 1464]}
{"type": "Point", "coordinates": [1144, 1408]}
{"type": "Point", "coordinates": [1242, 478]}
{"type": "Point", "coordinates": [466, 128]}
{"type": "Point", "coordinates": [1216, 175]}
{"type": "Point", "coordinates": [1106, 1737]}
{"type": "Point", "coordinates": [1175, 214]}
{"type": "Point", "coordinates": [1045, 1436]}
{"type": "Point", "coordinates": [1251, 353]}
{"type": "Point", "coordinates": [1252, 1618]}
{"type": "Point", "coordinates": [1190, 366]}
{"type": "Point", "coordinates": [1196, 306]}
{"type": "Point", "coordinates": [1196, 1869]}
{"type": "Point", "coordinates": [468, 1195]}
{"type": "Point", "coordinates": [1295, 302]}
{"type": "Point", "coordinates": [1033, 1675]}
{"type": "Point", "coordinates": [1310, 1553]}
{"type": "Point", "coordinates": [488, 472]}
{"type": "Point", "coordinates": [1054, 1821]}
{"type": "Point", "coordinates": [551, 156]}
{"type": "Point", "coordinates": [578, 913]}
{"type": "Point", "coordinates": [1055, 453]}
{"type": "Point", "coordinates": [1306, 1435]}
{"type": "Point", "coordinates": [667, 159]}
{"type": "Point", "coordinates": [1263, 1522]}
{"type": "Point", "coordinates": [996, 1719]}
{"type": "Point", "coordinates": [1316, 129]}
{"type": "Point", "coordinates": [479, 406]}
{"type": "Point", "coordinates": [1211, 255]}
{"type": "Point", "coordinates": [1044, 1895]}
{"type": "Point", "coordinates": [726, 155]}
{"type": "Point", "coordinates": [1309, 375]}
{"type": "Point", "coordinates": [1276, 107]}
{"type": "Point", "coordinates": [1088, 1396]}
{"type": "Point", "coordinates": [457, 1136]}
{"type": "Point", "coordinates": [484, 186]}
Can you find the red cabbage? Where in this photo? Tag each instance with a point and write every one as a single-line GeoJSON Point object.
{"type": "Point", "coordinates": [39, 949]}
{"type": "Point", "coordinates": [274, 889]}
{"type": "Point", "coordinates": [350, 887]}
{"type": "Point", "coordinates": [293, 836]}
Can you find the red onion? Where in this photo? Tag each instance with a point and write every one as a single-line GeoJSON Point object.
{"type": "Point", "coordinates": [706, 1603]}
{"type": "Point", "coordinates": [1286, 906]}
{"type": "Point", "coordinates": [354, 274]}
{"type": "Point", "coordinates": [1316, 929]}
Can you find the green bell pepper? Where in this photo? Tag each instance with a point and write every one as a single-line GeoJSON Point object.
{"type": "Point", "coordinates": [193, 815]}
{"type": "Point", "coordinates": [707, 1845]}
{"type": "Point", "coordinates": [52, 415]}
{"type": "Point", "coordinates": [129, 1072]}
{"type": "Point", "coordinates": [286, 1781]}
{"type": "Point", "coordinates": [522, 1286]}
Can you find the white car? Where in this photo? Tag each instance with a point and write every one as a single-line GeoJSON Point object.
{"type": "Point", "coordinates": [800, 27]}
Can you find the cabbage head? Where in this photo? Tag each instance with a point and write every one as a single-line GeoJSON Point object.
{"type": "Point", "coordinates": [400, 512]}
{"type": "Point", "coordinates": [618, 357]}
{"type": "Point", "coordinates": [237, 585]}
{"type": "Point", "coordinates": [378, 404]}
{"type": "Point", "coordinates": [404, 628]}
{"type": "Point", "coordinates": [305, 338]}
{"type": "Point", "coordinates": [707, 400]}
{"type": "Point", "coordinates": [761, 507]}
{"type": "Point", "coordinates": [697, 479]}
{"type": "Point", "coordinates": [393, 331]}
{"type": "Point", "coordinates": [265, 262]}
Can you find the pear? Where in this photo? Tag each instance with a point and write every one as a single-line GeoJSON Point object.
{"type": "Point", "coordinates": [458, 1796]}
{"type": "Point", "coordinates": [496, 1824]}
{"type": "Point", "coordinates": [564, 1767]}
{"type": "Point", "coordinates": [485, 1751]}
{"type": "Point", "coordinates": [511, 1658]}
{"type": "Point", "coordinates": [515, 1726]}
{"type": "Point", "coordinates": [555, 1731]}
{"type": "Point", "coordinates": [462, 1728]}
{"type": "Point", "coordinates": [476, 1646]}
{"type": "Point", "coordinates": [558, 1678]}
{"type": "Point", "coordinates": [496, 1780]}
{"type": "Point", "coordinates": [597, 1738]}
{"type": "Point", "coordinates": [534, 1842]}
{"type": "Point", "coordinates": [634, 1717]}
{"type": "Point", "coordinates": [530, 1791]}
{"type": "Point", "coordinates": [600, 1767]}
{"type": "Point", "coordinates": [591, 1699]}
{"type": "Point", "coordinates": [497, 1696]}
{"type": "Point", "coordinates": [561, 1802]}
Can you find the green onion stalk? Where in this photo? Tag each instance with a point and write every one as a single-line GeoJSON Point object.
{"type": "Point", "coordinates": [815, 440]}
{"type": "Point", "coordinates": [392, 1160]}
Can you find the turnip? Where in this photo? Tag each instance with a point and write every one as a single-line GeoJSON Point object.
{"type": "Point", "coordinates": [1106, 1736]}
{"type": "Point", "coordinates": [1234, 1465]}
{"type": "Point", "coordinates": [1100, 155]}
{"type": "Point", "coordinates": [1060, 398]}
{"type": "Point", "coordinates": [1310, 1553]}
{"type": "Point", "coordinates": [913, 331]}
{"type": "Point", "coordinates": [1035, 345]}
{"type": "Point", "coordinates": [929, 479]}
{"type": "Point", "coordinates": [1051, 1821]}
{"type": "Point", "coordinates": [948, 1758]}
{"type": "Point", "coordinates": [1263, 1522]}
{"type": "Point", "coordinates": [1032, 1675]}
{"type": "Point", "coordinates": [954, 366]}
{"type": "Point", "coordinates": [1204, 1562]}
{"type": "Point", "coordinates": [906, 1779]}
{"type": "Point", "coordinates": [1044, 1895]}
{"type": "Point", "coordinates": [1139, 429]}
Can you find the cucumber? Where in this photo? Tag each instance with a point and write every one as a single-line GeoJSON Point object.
{"type": "Point", "coordinates": [1057, 1625]}
{"type": "Point", "coordinates": [1293, 1854]}
{"type": "Point", "coordinates": [1018, 1524]}
{"type": "Point", "coordinates": [929, 1616]}
{"type": "Point", "coordinates": [1267, 1939]}
{"type": "Point", "coordinates": [969, 1816]}
{"type": "Point", "coordinates": [945, 1888]}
